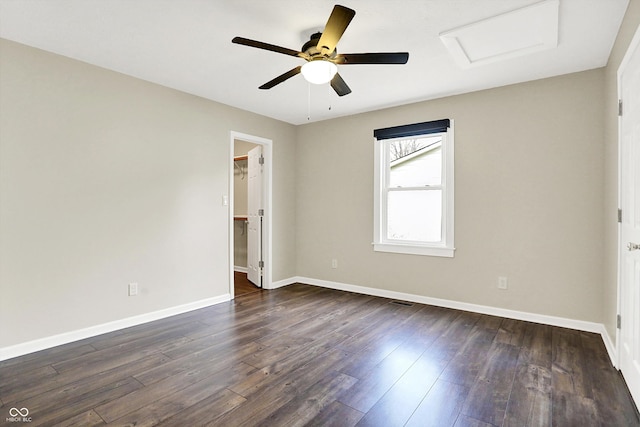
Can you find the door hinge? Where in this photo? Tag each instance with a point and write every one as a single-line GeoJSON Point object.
{"type": "Point", "coordinates": [618, 321]}
{"type": "Point", "coordinates": [260, 264]}
{"type": "Point", "coordinates": [261, 160]}
{"type": "Point", "coordinates": [619, 215]}
{"type": "Point", "coordinates": [619, 107]}
{"type": "Point", "coordinates": [260, 212]}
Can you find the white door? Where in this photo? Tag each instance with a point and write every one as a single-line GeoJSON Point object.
{"type": "Point", "coordinates": [254, 212]}
{"type": "Point", "coordinates": [629, 81]}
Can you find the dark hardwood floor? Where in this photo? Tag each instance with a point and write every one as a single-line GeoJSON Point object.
{"type": "Point", "coordinates": [304, 355]}
{"type": "Point", "coordinates": [242, 285]}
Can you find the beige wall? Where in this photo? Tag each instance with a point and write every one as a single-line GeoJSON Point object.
{"type": "Point", "coordinates": [610, 283]}
{"type": "Point", "coordinates": [106, 180]}
{"type": "Point", "coordinates": [528, 201]}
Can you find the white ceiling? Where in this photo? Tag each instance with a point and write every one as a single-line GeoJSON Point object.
{"type": "Point", "coordinates": [186, 45]}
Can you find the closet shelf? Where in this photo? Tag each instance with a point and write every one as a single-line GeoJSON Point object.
{"type": "Point", "coordinates": [245, 157]}
{"type": "Point", "coordinates": [240, 217]}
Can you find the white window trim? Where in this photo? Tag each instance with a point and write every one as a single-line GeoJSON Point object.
{"type": "Point", "coordinates": [441, 249]}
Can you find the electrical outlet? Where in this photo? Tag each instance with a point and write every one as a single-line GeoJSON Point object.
{"type": "Point", "coordinates": [503, 283]}
{"type": "Point", "coordinates": [334, 263]}
{"type": "Point", "coordinates": [133, 289]}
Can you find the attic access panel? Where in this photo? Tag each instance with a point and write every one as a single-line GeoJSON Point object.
{"type": "Point", "coordinates": [508, 35]}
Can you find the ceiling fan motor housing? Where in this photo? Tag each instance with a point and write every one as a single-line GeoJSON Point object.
{"type": "Point", "coordinates": [311, 48]}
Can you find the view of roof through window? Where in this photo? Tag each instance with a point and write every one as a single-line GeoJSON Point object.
{"type": "Point", "coordinates": [406, 147]}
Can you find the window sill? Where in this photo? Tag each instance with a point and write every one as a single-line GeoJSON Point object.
{"type": "Point", "coordinates": [439, 251]}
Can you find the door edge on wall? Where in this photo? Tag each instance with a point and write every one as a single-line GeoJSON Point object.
{"type": "Point", "coordinates": [631, 49]}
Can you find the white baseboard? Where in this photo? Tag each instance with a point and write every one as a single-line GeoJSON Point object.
{"type": "Point", "coordinates": [580, 325]}
{"type": "Point", "coordinates": [67, 337]}
{"type": "Point", "coordinates": [610, 346]}
{"type": "Point", "coordinates": [285, 282]}
{"type": "Point", "coordinates": [240, 269]}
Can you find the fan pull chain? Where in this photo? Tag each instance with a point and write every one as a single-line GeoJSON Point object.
{"type": "Point", "coordinates": [309, 102]}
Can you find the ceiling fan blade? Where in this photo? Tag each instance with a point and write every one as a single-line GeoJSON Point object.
{"type": "Point", "coordinates": [339, 85]}
{"type": "Point", "coordinates": [267, 46]}
{"type": "Point", "coordinates": [372, 58]}
{"type": "Point", "coordinates": [281, 78]}
{"type": "Point", "coordinates": [338, 22]}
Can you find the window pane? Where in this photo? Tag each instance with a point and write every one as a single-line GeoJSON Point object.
{"type": "Point", "coordinates": [415, 162]}
{"type": "Point", "coordinates": [414, 215]}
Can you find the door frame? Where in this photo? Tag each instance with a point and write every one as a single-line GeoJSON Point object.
{"type": "Point", "coordinates": [267, 183]}
{"type": "Point", "coordinates": [635, 43]}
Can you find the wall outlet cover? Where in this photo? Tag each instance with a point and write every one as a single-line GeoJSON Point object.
{"type": "Point", "coordinates": [133, 289]}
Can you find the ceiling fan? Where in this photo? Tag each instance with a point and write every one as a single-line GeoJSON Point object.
{"type": "Point", "coordinates": [321, 54]}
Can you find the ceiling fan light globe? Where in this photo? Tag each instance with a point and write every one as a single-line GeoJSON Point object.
{"type": "Point", "coordinates": [319, 71]}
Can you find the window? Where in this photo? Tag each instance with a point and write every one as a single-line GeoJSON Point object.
{"type": "Point", "coordinates": [414, 189]}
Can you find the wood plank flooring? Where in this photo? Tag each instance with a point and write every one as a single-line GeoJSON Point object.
{"type": "Point", "coordinates": [242, 285]}
{"type": "Point", "coordinates": [304, 355]}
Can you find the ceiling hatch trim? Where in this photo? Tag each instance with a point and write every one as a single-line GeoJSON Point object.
{"type": "Point", "coordinates": [505, 36]}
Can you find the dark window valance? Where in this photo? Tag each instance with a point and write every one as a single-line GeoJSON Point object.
{"type": "Point", "coordinates": [436, 126]}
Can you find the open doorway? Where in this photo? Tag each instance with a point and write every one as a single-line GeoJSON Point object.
{"type": "Point", "coordinates": [250, 214]}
